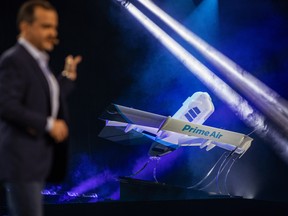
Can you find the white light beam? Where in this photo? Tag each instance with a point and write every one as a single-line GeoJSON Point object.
{"type": "Point", "coordinates": [266, 99]}
{"type": "Point", "coordinates": [237, 103]}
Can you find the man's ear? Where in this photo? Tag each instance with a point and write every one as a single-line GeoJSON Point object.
{"type": "Point", "coordinates": [23, 27]}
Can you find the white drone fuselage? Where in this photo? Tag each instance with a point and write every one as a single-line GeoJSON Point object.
{"type": "Point", "coordinates": [185, 128]}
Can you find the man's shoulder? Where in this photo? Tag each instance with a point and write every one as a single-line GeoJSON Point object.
{"type": "Point", "coordinates": [15, 50]}
{"type": "Point", "coordinates": [14, 54]}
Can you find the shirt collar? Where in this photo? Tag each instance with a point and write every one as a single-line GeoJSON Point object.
{"type": "Point", "coordinates": [36, 53]}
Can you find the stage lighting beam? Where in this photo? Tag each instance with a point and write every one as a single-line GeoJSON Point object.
{"type": "Point", "coordinates": [235, 101]}
{"type": "Point", "coordinates": [266, 99]}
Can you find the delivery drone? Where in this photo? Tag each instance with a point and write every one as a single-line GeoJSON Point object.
{"type": "Point", "coordinates": [168, 133]}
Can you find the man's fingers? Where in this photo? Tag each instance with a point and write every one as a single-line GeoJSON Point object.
{"type": "Point", "coordinates": [77, 59]}
{"type": "Point", "coordinates": [71, 63]}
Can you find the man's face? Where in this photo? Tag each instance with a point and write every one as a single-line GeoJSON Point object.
{"type": "Point", "coordinates": [42, 32]}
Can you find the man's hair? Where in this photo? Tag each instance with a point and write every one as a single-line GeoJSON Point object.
{"type": "Point", "coordinates": [26, 11]}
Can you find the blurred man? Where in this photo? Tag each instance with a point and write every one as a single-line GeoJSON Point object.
{"type": "Point", "coordinates": [33, 112]}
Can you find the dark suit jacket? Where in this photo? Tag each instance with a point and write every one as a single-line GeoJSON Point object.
{"type": "Point", "coordinates": [27, 152]}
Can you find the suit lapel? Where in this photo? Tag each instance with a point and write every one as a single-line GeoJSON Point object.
{"type": "Point", "coordinates": [37, 71]}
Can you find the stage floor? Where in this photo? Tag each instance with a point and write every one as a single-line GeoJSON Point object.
{"type": "Point", "coordinates": [171, 207]}
{"type": "Point", "coordinates": [146, 198]}
{"type": "Point", "coordinates": [217, 206]}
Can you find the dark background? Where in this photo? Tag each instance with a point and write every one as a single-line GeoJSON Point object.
{"type": "Point", "coordinates": [124, 64]}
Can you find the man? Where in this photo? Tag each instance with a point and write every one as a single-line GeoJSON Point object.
{"type": "Point", "coordinates": [33, 111]}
